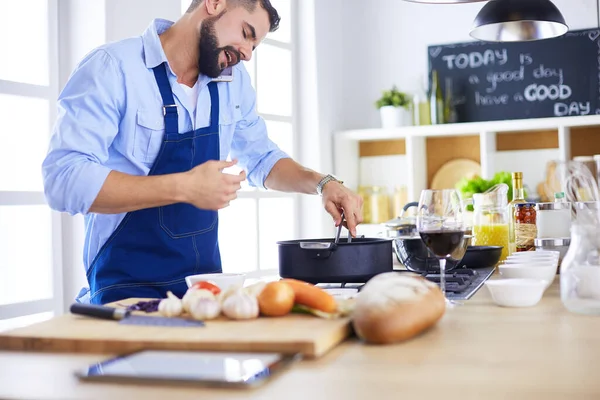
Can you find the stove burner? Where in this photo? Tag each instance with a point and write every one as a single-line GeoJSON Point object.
{"type": "Point", "coordinates": [461, 284]}
{"type": "Point", "coordinates": [456, 281]}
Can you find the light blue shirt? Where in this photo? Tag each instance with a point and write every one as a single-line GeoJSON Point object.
{"type": "Point", "coordinates": [110, 117]}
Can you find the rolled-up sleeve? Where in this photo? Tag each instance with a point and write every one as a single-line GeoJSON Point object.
{"type": "Point", "coordinates": [251, 145]}
{"type": "Point", "coordinates": [89, 111]}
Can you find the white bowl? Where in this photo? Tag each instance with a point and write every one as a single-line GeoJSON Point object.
{"type": "Point", "coordinates": [516, 292]}
{"type": "Point", "coordinates": [533, 263]}
{"type": "Point", "coordinates": [545, 272]}
{"type": "Point", "coordinates": [223, 281]}
{"type": "Point", "coordinates": [536, 254]}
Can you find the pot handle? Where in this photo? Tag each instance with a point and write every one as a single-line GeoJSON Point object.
{"type": "Point", "coordinates": [319, 250]}
{"type": "Point", "coordinates": [409, 205]}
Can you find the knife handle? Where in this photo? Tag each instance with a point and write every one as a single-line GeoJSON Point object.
{"type": "Point", "coordinates": [97, 311]}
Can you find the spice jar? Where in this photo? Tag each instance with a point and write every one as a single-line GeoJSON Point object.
{"type": "Point", "coordinates": [380, 204]}
{"type": "Point", "coordinates": [364, 192]}
{"type": "Point", "coordinates": [525, 226]}
{"type": "Point", "coordinates": [376, 204]}
{"type": "Point", "coordinates": [553, 220]}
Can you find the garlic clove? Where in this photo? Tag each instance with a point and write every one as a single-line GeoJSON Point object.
{"type": "Point", "coordinates": [171, 306]}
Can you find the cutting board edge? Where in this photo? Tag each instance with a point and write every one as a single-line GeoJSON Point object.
{"type": "Point", "coordinates": [308, 350]}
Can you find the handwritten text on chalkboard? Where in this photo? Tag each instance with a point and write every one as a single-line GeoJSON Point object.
{"type": "Point", "coordinates": [557, 77]}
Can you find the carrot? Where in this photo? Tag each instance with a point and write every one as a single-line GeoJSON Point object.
{"type": "Point", "coordinates": [312, 296]}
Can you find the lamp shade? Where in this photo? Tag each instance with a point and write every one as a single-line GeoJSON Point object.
{"type": "Point", "coordinates": [518, 21]}
{"type": "Point", "coordinates": [444, 1]}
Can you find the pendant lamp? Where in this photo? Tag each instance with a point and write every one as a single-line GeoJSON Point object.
{"type": "Point", "coordinates": [518, 21]}
{"type": "Point", "coordinates": [444, 1]}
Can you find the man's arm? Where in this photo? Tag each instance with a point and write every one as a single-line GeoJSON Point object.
{"type": "Point", "coordinates": [89, 111]}
{"type": "Point", "coordinates": [205, 186]}
{"type": "Point", "coordinates": [289, 176]}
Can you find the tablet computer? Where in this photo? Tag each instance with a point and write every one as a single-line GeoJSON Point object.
{"type": "Point", "coordinates": [220, 369]}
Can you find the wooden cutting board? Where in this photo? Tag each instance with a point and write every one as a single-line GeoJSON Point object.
{"type": "Point", "coordinates": [295, 333]}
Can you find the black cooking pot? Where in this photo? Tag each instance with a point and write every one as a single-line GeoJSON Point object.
{"type": "Point", "coordinates": [324, 261]}
{"type": "Point", "coordinates": [415, 256]}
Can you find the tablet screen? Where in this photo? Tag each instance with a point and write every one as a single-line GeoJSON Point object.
{"type": "Point", "coordinates": [190, 366]}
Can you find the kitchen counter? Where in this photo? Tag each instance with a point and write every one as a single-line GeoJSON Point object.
{"type": "Point", "coordinates": [477, 351]}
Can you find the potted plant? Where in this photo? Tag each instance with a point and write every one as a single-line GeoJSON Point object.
{"type": "Point", "coordinates": [394, 108]}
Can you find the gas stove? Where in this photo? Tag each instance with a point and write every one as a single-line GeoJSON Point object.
{"type": "Point", "coordinates": [461, 284]}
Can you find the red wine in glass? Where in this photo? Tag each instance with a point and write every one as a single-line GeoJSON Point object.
{"type": "Point", "coordinates": [442, 242]}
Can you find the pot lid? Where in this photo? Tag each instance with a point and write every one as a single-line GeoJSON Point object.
{"type": "Point", "coordinates": [400, 222]}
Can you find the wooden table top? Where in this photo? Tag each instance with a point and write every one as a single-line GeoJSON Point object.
{"type": "Point", "coordinates": [477, 351]}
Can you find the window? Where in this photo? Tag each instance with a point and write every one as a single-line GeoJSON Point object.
{"type": "Point", "coordinates": [250, 227]}
{"type": "Point", "coordinates": [30, 277]}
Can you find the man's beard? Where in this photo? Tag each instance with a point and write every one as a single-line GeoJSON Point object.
{"type": "Point", "coordinates": [208, 50]}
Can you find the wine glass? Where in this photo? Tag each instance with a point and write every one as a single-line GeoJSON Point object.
{"type": "Point", "coordinates": [440, 223]}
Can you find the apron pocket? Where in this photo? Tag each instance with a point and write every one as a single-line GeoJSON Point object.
{"type": "Point", "coordinates": [181, 220]}
{"type": "Point", "coordinates": [149, 132]}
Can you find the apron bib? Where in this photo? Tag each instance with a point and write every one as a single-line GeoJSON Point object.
{"type": "Point", "coordinates": [153, 250]}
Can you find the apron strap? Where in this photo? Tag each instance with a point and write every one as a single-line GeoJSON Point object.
{"type": "Point", "coordinates": [214, 105]}
{"type": "Point", "coordinates": [169, 106]}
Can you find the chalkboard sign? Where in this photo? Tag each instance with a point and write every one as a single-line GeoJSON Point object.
{"type": "Point", "coordinates": [548, 78]}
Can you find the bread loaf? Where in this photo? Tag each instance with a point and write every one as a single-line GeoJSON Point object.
{"type": "Point", "coordinates": [395, 306]}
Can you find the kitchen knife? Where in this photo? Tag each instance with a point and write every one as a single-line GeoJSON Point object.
{"type": "Point", "coordinates": [127, 318]}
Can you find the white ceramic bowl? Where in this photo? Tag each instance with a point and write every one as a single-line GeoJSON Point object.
{"type": "Point", "coordinates": [537, 253]}
{"type": "Point", "coordinates": [546, 272]}
{"type": "Point", "coordinates": [223, 281]}
{"type": "Point", "coordinates": [516, 292]}
{"type": "Point", "coordinates": [533, 263]}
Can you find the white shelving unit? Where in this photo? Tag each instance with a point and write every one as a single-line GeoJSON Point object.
{"type": "Point", "coordinates": [346, 144]}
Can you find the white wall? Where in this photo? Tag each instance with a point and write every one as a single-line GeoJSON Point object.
{"type": "Point", "coordinates": [385, 43]}
{"type": "Point", "coordinates": [126, 18]}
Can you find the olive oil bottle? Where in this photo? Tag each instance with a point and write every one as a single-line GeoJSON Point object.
{"type": "Point", "coordinates": [518, 196]}
{"type": "Point", "coordinates": [436, 100]}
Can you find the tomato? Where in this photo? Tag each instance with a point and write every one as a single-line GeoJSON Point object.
{"type": "Point", "coordinates": [207, 286]}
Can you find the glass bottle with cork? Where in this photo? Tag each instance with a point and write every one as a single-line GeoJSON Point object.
{"type": "Point", "coordinates": [518, 197]}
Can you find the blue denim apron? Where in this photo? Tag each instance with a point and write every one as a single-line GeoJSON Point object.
{"type": "Point", "coordinates": [153, 250]}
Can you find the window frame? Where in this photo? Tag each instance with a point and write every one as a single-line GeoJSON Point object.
{"type": "Point", "coordinates": [55, 303]}
{"type": "Point", "coordinates": [255, 193]}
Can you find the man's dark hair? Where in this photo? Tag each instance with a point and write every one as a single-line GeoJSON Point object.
{"type": "Point", "coordinates": [249, 5]}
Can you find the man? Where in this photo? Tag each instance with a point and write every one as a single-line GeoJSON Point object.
{"type": "Point", "coordinates": [143, 131]}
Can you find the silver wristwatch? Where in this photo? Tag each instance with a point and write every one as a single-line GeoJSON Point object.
{"type": "Point", "coordinates": [326, 179]}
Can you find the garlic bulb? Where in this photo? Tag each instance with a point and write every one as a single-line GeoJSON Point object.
{"type": "Point", "coordinates": [240, 305]}
{"type": "Point", "coordinates": [171, 306]}
{"type": "Point", "coordinates": [204, 308]}
{"type": "Point", "coordinates": [192, 294]}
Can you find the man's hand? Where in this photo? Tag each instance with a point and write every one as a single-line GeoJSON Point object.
{"type": "Point", "coordinates": [208, 188]}
{"type": "Point", "coordinates": [338, 198]}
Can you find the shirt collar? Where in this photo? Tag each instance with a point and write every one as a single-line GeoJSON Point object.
{"type": "Point", "coordinates": [153, 50]}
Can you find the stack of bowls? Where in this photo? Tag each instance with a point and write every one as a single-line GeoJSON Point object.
{"type": "Point", "coordinates": [525, 276]}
